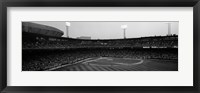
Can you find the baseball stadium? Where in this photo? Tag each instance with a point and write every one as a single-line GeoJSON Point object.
{"type": "Point", "coordinates": [44, 49]}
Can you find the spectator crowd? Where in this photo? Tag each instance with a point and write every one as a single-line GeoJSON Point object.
{"type": "Point", "coordinates": [33, 41]}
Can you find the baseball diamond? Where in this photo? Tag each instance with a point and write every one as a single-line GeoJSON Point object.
{"type": "Point", "coordinates": [121, 64]}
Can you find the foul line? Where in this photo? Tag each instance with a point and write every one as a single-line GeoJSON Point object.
{"type": "Point", "coordinates": [68, 64]}
{"type": "Point", "coordinates": [116, 64]}
{"type": "Point", "coordinates": [90, 60]}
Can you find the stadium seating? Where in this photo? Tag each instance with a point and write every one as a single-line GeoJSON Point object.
{"type": "Point", "coordinates": [37, 41]}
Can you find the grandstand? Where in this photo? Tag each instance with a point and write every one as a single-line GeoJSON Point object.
{"type": "Point", "coordinates": [49, 51]}
{"type": "Point", "coordinates": [37, 41]}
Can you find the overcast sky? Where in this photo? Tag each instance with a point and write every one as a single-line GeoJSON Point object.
{"type": "Point", "coordinates": [113, 30]}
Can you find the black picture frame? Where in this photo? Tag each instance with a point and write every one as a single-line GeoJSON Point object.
{"type": "Point", "coordinates": [99, 3]}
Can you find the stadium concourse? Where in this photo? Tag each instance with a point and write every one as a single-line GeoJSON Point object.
{"type": "Point", "coordinates": [44, 49]}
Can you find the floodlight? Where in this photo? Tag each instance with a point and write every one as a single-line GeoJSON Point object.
{"type": "Point", "coordinates": [67, 23]}
{"type": "Point", "coordinates": [169, 28]}
{"type": "Point", "coordinates": [67, 28]}
{"type": "Point", "coordinates": [124, 26]}
{"type": "Point", "coordinates": [124, 29]}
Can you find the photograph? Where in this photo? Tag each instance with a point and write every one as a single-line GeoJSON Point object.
{"type": "Point", "coordinates": [136, 46]}
{"type": "Point", "coordinates": [100, 45]}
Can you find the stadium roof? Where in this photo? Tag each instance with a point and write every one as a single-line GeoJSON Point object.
{"type": "Point", "coordinates": [48, 30]}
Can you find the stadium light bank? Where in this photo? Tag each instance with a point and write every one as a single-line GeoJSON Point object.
{"type": "Point", "coordinates": [169, 29]}
{"type": "Point", "coordinates": [67, 28]}
{"type": "Point", "coordinates": [124, 27]}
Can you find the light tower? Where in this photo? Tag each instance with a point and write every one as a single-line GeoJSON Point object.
{"type": "Point", "coordinates": [124, 27]}
{"type": "Point", "coordinates": [169, 29]}
{"type": "Point", "coordinates": [67, 28]}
